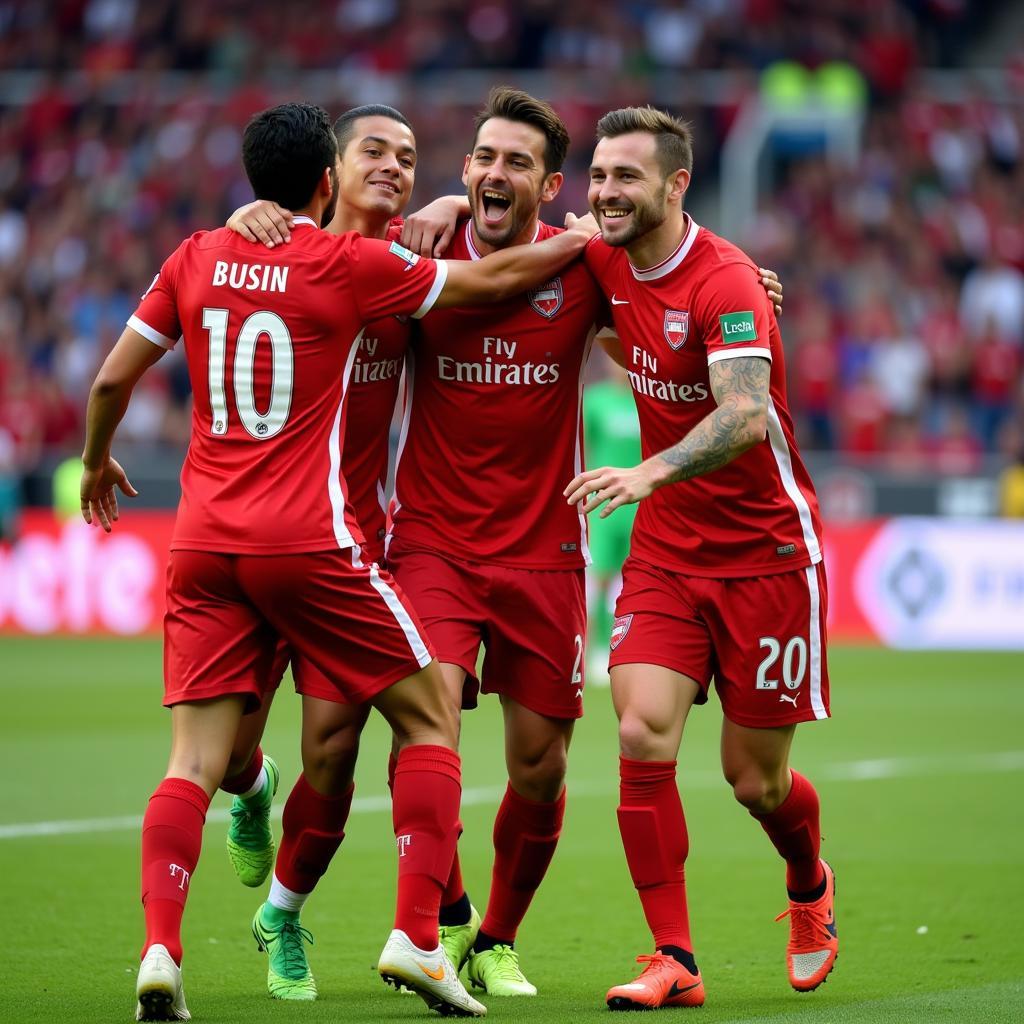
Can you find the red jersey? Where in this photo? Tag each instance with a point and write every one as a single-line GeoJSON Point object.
{"type": "Point", "coordinates": [374, 385]}
{"type": "Point", "coordinates": [271, 338]}
{"type": "Point", "coordinates": [491, 430]}
{"type": "Point", "coordinates": [758, 514]}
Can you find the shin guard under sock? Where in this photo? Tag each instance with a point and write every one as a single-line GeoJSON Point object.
{"type": "Point", "coordinates": [794, 828]}
{"type": "Point", "coordinates": [425, 811]}
{"type": "Point", "coordinates": [654, 836]}
{"type": "Point", "coordinates": [525, 836]}
{"type": "Point", "coordinates": [313, 826]}
{"type": "Point", "coordinates": [172, 836]}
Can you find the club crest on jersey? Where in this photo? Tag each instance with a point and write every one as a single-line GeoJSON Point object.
{"type": "Point", "coordinates": [548, 298]}
{"type": "Point", "coordinates": [620, 629]}
{"type": "Point", "coordinates": [676, 327]}
{"type": "Point", "coordinates": [402, 253]}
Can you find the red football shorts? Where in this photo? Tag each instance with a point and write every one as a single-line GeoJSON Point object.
{"type": "Point", "coordinates": [761, 638]}
{"type": "Point", "coordinates": [532, 624]}
{"type": "Point", "coordinates": [347, 625]}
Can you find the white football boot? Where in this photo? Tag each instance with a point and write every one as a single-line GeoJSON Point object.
{"type": "Point", "coordinates": [430, 974]}
{"type": "Point", "coordinates": [158, 989]}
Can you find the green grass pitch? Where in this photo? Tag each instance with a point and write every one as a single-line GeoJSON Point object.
{"type": "Point", "coordinates": [920, 778]}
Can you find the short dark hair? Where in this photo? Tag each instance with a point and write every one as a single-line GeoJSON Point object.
{"type": "Point", "coordinates": [285, 150]}
{"type": "Point", "coordinates": [515, 105]}
{"type": "Point", "coordinates": [345, 126]}
{"type": "Point", "coordinates": [673, 137]}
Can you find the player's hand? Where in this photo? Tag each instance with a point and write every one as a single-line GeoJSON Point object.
{"type": "Point", "coordinates": [586, 225]}
{"type": "Point", "coordinates": [773, 286]}
{"type": "Point", "coordinates": [429, 231]}
{"type": "Point", "coordinates": [616, 486]}
{"type": "Point", "coordinates": [263, 221]}
{"type": "Point", "coordinates": [99, 499]}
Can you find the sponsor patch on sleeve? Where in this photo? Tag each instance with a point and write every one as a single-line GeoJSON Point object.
{"type": "Point", "coordinates": [413, 258]}
{"type": "Point", "coordinates": [619, 630]}
{"type": "Point", "coordinates": [738, 327]}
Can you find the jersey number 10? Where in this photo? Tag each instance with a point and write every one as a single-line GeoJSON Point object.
{"type": "Point", "coordinates": [261, 425]}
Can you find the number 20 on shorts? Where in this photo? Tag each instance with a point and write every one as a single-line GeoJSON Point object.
{"type": "Point", "coordinates": [794, 663]}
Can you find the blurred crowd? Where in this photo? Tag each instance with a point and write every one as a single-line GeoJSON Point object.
{"type": "Point", "coordinates": [251, 39]}
{"type": "Point", "coordinates": [904, 319]}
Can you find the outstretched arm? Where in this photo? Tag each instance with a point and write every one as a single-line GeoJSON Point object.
{"type": "Point", "coordinates": [738, 422]}
{"type": "Point", "coordinates": [111, 391]}
{"type": "Point", "coordinates": [508, 272]}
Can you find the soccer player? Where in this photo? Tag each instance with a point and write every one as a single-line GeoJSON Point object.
{"type": "Point", "coordinates": [485, 548]}
{"type": "Point", "coordinates": [725, 577]}
{"type": "Point", "coordinates": [270, 342]}
{"type": "Point", "coordinates": [376, 176]}
{"type": "Point", "coordinates": [612, 435]}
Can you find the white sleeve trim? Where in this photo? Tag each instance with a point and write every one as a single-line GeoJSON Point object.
{"type": "Point", "coordinates": [435, 290]}
{"type": "Point", "coordinates": [732, 353]}
{"type": "Point", "coordinates": [150, 333]}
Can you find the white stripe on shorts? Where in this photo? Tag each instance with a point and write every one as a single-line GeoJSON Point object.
{"type": "Point", "coordinates": [814, 641]}
{"type": "Point", "coordinates": [394, 603]}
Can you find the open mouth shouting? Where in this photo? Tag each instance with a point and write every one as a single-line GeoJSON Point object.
{"type": "Point", "coordinates": [495, 205]}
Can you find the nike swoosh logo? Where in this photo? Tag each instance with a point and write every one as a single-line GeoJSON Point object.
{"type": "Point", "coordinates": [619, 302]}
{"type": "Point", "coordinates": [675, 990]}
{"type": "Point", "coordinates": [437, 975]}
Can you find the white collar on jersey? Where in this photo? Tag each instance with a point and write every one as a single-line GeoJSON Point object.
{"type": "Point", "coordinates": [667, 265]}
{"type": "Point", "coordinates": [303, 219]}
{"type": "Point", "coordinates": [473, 252]}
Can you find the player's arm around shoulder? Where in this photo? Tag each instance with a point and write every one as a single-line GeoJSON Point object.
{"type": "Point", "coordinates": [507, 272]}
{"type": "Point", "coordinates": [263, 221]}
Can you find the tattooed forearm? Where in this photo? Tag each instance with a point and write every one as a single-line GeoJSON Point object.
{"type": "Point", "coordinates": [740, 387]}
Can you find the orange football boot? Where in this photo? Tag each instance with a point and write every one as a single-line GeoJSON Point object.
{"type": "Point", "coordinates": [813, 941]}
{"type": "Point", "coordinates": [663, 982]}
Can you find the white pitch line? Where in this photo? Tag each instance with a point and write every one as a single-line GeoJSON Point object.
{"type": "Point", "coordinates": [876, 769]}
{"type": "Point", "coordinates": [909, 1007]}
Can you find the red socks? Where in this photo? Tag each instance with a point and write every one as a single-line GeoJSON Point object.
{"type": "Point", "coordinates": [794, 828]}
{"type": "Point", "coordinates": [425, 811]}
{"type": "Point", "coordinates": [313, 826]}
{"type": "Point", "coordinates": [246, 778]}
{"type": "Point", "coordinates": [172, 835]}
{"type": "Point", "coordinates": [525, 836]}
{"type": "Point", "coordinates": [654, 836]}
{"type": "Point", "coordinates": [454, 888]}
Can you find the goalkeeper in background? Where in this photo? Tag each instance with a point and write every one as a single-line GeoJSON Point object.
{"type": "Point", "coordinates": [612, 434]}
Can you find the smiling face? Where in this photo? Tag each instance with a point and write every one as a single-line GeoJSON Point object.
{"type": "Point", "coordinates": [378, 166]}
{"type": "Point", "coordinates": [629, 194]}
{"type": "Point", "coordinates": [506, 181]}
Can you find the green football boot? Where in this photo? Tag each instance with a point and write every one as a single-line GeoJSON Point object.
{"type": "Point", "coordinates": [498, 973]}
{"type": "Point", "coordinates": [250, 841]}
{"type": "Point", "coordinates": [458, 939]}
{"type": "Point", "coordinates": [288, 973]}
